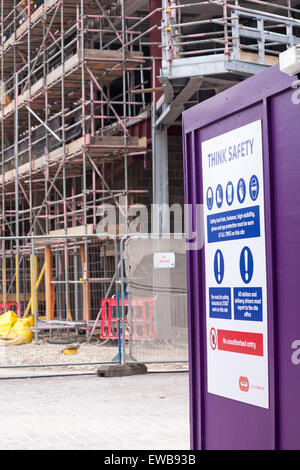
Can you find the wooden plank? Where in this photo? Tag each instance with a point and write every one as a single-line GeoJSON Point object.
{"type": "Point", "coordinates": [80, 230]}
{"type": "Point", "coordinates": [23, 297]}
{"type": "Point", "coordinates": [101, 65]}
{"type": "Point", "coordinates": [110, 147]}
{"type": "Point", "coordinates": [37, 16]}
{"type": "Point", "coordinates": [77, 144]}
{"type": "Point", "coordinates": [253, 58]}
{"type": "Point", "coordinates": [107, 253]}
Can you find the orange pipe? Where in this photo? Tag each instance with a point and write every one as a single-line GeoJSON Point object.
{"type": "Point", "coordinates": [86, 286]}
{"type": "Point", "coordinates": [50, 296]}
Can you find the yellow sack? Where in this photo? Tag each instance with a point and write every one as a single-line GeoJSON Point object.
{"type": "Point", "coordinates": [20, 332]}
{"type": "Point", "coordinates": [7, 321]}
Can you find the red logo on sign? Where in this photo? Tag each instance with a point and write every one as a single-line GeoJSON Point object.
{"type": "Point", "coordinates": [244, 384]}
{"type": "Point", "coordinates": [213, 339]}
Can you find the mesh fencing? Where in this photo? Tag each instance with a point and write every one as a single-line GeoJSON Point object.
{"type": "Point", "coordinates": [78, 285]}
{"type": "Point", "coordinates": [155, 300]}
{"type": "Point", "coordinates": [106, 316]}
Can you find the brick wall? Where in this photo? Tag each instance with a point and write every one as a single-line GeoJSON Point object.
{"type": "Point", "coordinates": [176, 189]}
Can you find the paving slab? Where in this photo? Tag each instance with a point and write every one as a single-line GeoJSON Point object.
{"type": "Point", "coordinates": [87, 412]}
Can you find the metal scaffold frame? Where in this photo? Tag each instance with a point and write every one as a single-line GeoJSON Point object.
{"type": "Point", "coordinates": [72, 86]}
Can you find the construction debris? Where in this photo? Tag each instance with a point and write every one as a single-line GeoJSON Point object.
{"type": "Point", "coordinates": [14, 330]}
{"type": "Point", "coordinates": [71, 349]}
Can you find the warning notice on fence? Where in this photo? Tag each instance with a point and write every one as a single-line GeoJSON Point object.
{"type": "Point", "coordinates": [235, 266]}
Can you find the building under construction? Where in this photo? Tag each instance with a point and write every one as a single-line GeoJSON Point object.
{"type": "Point", "coordinates": [92, 94]}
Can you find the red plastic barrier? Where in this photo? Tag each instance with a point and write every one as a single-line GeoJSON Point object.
{"type": "Point", "coordinates": [109, 318]}
{"type": "Point", "coordinates": [8, 306]}
{"type": "Point", "coordinates": [142, 320]}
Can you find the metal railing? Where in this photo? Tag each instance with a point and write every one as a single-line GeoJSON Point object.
{"type": "Point", "coordinates": [226, 27]}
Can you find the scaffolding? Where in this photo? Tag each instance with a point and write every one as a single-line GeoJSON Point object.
{"type": "Point", "coordinates": [87, 88]}
{"type": "Point", "coordinates": [69, 70]}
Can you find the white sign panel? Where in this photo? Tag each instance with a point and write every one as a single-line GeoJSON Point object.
{"type": "Point", "coordinates": [164, 260]}
{"type": "Point", "coordinates": [235, 266]}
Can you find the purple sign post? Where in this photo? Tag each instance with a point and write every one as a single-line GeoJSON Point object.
{"type": "Point", "coordinates": [242, 165]}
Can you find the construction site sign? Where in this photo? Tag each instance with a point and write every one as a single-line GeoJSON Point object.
{"type": "Point", "coordinates": [235, 266]}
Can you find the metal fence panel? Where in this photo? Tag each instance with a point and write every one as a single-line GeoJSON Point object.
{"type": "Point", "coordinates": [154, 300]}
{"type": "Point", "coordinates": [83, 299]}
{"type": "Point", "coordinates": [77, 274]}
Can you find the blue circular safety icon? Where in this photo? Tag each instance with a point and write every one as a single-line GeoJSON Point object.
{"type": "Point", "coordinates": [246, 265]}
{"type": "Point", "coordinates": [229, 193]}
{"type": "Point", "coordinates": [219, 196]}
{"type": "Point", "coordinates": [254, 188]}
{"type": "Point", "coordinates": [219, 266]}
{"type": "Point", "coordinates": [210, 199]}
{"type": "Point", "coordinates": [241, 190]}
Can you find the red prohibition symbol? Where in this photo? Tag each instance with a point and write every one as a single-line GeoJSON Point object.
{"type": "Point", "coordinates": [213, 339]}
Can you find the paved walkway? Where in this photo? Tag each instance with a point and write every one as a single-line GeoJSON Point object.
{"type": "Point", "coordinates": [130, 413]}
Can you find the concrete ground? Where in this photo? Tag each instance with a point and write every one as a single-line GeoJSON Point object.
{"type": "Point", "coordinates": [88, 412]}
